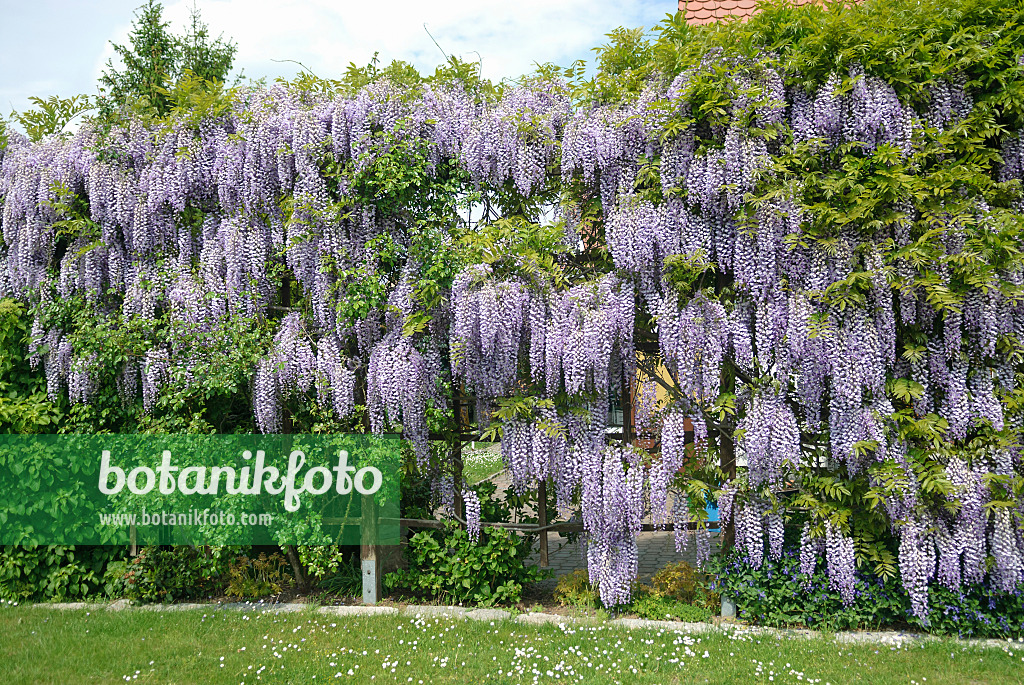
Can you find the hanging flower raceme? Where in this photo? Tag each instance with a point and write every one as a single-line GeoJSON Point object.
{"type": "Point", "coordinates": [490, 324]}
{"type": "Point", "coordinates": [472, 502]}
{"type": "Point", "coordinates": [335, 381]}
{"type": "Point", "coordinates": [771, 439]}
{"type": "Point", "coordinates": [640, 235]}
{"type": "Point", "coordinates": [589, 343]}
{"type": "Point", "coordinates": [290, 367]}
{"type": "Point", "coordinates": [612, 554]}
{"type": "Point", "coordinates": [396, 389]}
{"type": "Point", "coordinates": [675, 450]}
{"type": "Point", "coordinates": [154, 376]}
{"type": "Point", "coordinates": [694, 339]}
{"type": "Point", "coordinates": [841, 564]}
{"type": "Point", "coordinates": [516, 138]}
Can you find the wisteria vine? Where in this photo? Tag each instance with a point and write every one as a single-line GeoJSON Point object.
{"type": "Point", "coordinates": [811, 345]}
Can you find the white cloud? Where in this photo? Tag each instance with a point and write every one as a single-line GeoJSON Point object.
{"type": "Point", "coordinates": [327, 36]}
{"type": "Point", "coordinates": [508, 36]}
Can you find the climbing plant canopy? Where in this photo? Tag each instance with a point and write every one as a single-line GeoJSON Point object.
{"type": "Point", "coordinates": [805, 228]}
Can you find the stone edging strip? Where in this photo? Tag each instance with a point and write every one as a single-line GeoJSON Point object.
{"type": "Point", "coordinates": [888, 638]}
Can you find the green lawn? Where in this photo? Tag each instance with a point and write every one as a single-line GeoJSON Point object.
{"type": "Point", "coordinates": [53, 646]}
{"type": "Point", "coordinates": [480, 463]}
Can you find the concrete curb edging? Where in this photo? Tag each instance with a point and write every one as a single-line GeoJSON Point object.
{"type": "Point", "coordinates": [539, 619]}
{"type": "Point", "coordinates": [356, 610]}
{"type": "Point", "coordinates": [434, 610]}
{"type": "Point", "coordinates": [888, 638]}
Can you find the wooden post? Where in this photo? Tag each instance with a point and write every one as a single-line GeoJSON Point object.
{"type": "Point", "coordinates": [627, 410]}
{"type": "Point", "coordinates": [727, 457]}
{"type": "Point", "coordinates": [292, 551]}
{"type": "Point", "coordinates": [542, 520]}
{"type": "Point", "coordinates": [135, 547]}
{"type": "Point", "coordinates": [369, 559]}
{"type": "Point", "coordinates": [458, 399]}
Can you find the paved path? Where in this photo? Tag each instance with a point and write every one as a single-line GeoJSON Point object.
{"type": "Point", "coordinates": [656, 550]}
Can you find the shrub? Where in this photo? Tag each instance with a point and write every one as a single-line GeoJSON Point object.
{"type": "Point", "coordinates": [681, 582]}
{"type": "Point", "coordinates": [165, 574]}
{"type": "Point", "coordinates": [976, 611]}
{"type": "Point", "coordinates": [574, 589]}
{"type": "Point", "coordinates": [58, 572]}
{"type": "Point", "coordinates": [259, 577]}
{"type": "Point", "coordinates": [492, 506]}
{"type": "Point", "coordinates": [115, 579]}
{"type": "Point", "coordinates": [447, 565]}
{"type": "Point", "coordinates": [321, 561]}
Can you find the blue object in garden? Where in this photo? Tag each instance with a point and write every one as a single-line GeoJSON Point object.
{"type": "Point", "coordinates": [713, 516]}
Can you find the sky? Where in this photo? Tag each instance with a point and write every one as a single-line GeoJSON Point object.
{"type": "Point", "coordinates": [48, 47]}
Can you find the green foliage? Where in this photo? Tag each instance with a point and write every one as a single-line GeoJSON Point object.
{"type": "Point", "coordinates": [51, 116]}
{"type": "Point", "coordinates": [574, 590]}
{"type": "Point", "coordinates": [320, 560]}
{"type": "Point", "coordinates": [624, 65]}
{"type": "Point", "coordinates": [114, 578]}
{"type": "Point", "coordinates": [495, 507]}
{"type": "Point", "coordinates": [200, 57]}
{"type": "Point", "coordinates": [398, 73]}
{"type": "Point", "coordinates": [166, 574]}
{"type": "Point", "coordinates": [148, 63]}
{"type": "Point", "coordinates": [356, 77]}
{"type": "Point", "coordinates": [416, 496]}
{"type": "Point", "coordinates": [261, 576]}
{"type": "Point", "coordinates": [659, 608]}
{"type": "Point", "coordinates": [683, 583]}
{"type": "Point", "coordinates": [156, 61]}
{"type": "Point", "coordinates": [395, 177]}
{"type": "Point", "coordinates": [976, 611]}
{"type": "Point", "coordinates": [777, 594]}
{"type": "Point", "coordinates": [346, 580]}
{"type": "Point", "coordinates": [195, 100]}
{"type": "Point", "coordinates": [910, 45]}
{"type": "Point", "coordinates": [24, 406]}
{"type": "Point", "coordinates": [446, 565]}
{"type": "Point", "coordinates": [335, 570]}
{"type": "Point", "coordinates": [688, 273]}
{"type": "Point", "coordinates": [221, 403]}
{"type": "Point", "coordinates": [52, 572]}
{"type": "Point", "coordinates": [517, 246]}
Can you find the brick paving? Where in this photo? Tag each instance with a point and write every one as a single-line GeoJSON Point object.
{"type": "Point", "coordinates": [657, 549]}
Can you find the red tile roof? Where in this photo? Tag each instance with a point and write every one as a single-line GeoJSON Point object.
{"type": "Point", "coordinates": [707, 11]}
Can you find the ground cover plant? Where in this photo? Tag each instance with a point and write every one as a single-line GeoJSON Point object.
{"type": "Point", "coordinates": [778, 593]}
{"type": "Point", "coordinates": [252, 647]}
{"type": "Point", "coordinates": [811, 221]}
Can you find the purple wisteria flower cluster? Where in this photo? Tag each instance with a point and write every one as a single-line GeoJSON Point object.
{"type": "Point", "coordinates": [801, 338]}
